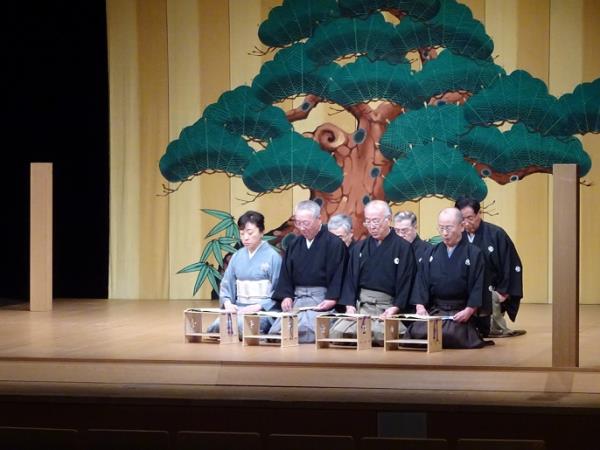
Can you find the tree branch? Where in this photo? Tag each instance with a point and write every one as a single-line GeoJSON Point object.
{"type": "Point", "coordinates": [360, 110]}
{"type": "Point", "coordinates": [386, 112]}
{"type": "Point", "coordinates": [427, 54]}
{"type": "Point", "coordinates": [302, 112]}
{"type": "Point", "coordinates": [261, 51]}
{"type": "Point", "coordinates": [457, 98]}
{"type": "Point", "coordinates": [330, 137]}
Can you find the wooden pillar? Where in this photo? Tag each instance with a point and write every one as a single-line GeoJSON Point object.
{"type": "Point", "coordinates": [40, 247]}
{"type": "Point", "coordinates": [565, 267]}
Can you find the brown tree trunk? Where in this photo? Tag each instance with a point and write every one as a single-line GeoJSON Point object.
{"type": "Point", "coordinates": [363, 165]}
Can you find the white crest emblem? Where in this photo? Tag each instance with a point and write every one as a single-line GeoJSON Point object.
{"type": "Point", "coordinates": [467, 262]}
{"type": "Point", "coordinates": [420, 259]}
{"type": "Point", "coordinates": [396, 260]}
{"type": "Point", "coordinates": [490, 288]}
{"type": "Point", "coordinates": [517, 268]}
{"type": "Point", "coordinates": [265, 267]}
{"type": "Point", "coordinates": [431, 258]}
{"type": "Point", "coordinates": [490, 249]}
{"type": "Point", "coordinates": [360, 255]}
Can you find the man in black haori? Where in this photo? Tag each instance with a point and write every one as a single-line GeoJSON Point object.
{"type": "Point", "coordinates": [503, 284]}
{"type": "Point", "coordinates": [341, 226]}
{"type": "Point", "coordinates": [312, 271]}
{"type": "Point", "coordinates": [405, 225]}
{"type": "Point", "coordinates": [449, 283]}
{"type": "Point", "coordinates": [379, 276]}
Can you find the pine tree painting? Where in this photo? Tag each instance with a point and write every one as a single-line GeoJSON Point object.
{"type": "Point", "coordinates": [419, 78]}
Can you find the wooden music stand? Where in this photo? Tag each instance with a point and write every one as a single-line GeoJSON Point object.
{"type": "Point", "coordinates": [289, 329]}
{"type": "Point", "coordinates": [363, 331]}
{"type": "Point", "coordinates": [197, 320]}
{"type": "Point", "coordinates": [391, 333]}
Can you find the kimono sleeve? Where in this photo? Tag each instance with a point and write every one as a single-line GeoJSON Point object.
{"type": "Point", "coordinates": [285, 283]}
{"type": "Point", "coordinates": [336, 267]}
{"type": "Point", "coordinates": [511, 281]}
{"type": "Point", "coordinates": [475, 279]}
{"type": "Point", "coordinates": [274, 277]}
{"type": "Point", "coordinates": [227, 288]}
{"type": "Point", "coordinates": [350, 286]}
{"type": "Point", "coordinates": [405, 276]}
{"type": "Point", "coordinates": [420, 291]}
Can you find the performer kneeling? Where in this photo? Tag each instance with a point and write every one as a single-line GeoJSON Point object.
{"type": "Point", "coordinates": [312, 271]}
{"type": "Point", "coordinates": [379, 276]}
{"type": "Point", "coordinates": [247, 284]}
{"type": "Point", "coordinates": [450, 283]}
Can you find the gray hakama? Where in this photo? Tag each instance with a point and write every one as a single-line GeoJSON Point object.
{"type": "Point", "coordinates": [379, 275]}
{"type": "Point", "coordinates": [309, 275]}
{"type": "Point", "coordinates": [304, 296]}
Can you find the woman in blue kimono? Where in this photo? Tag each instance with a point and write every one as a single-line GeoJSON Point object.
{"type": "Point", "coordinates": [251, 274]}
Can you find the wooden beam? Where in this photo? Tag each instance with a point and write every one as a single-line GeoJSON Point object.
{"type": "Point", "coordinates": [565, 267]}
{"type": "Point", "coordinates": [40, 250]}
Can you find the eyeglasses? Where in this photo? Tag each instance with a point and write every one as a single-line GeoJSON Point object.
{"type": "Point", "coordinates": [446, 228]}
{"type": "Point", "coordinates": [374, 222]}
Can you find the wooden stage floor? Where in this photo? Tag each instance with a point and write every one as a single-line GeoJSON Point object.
{"type": "Point", "coordinates": [136, 348]}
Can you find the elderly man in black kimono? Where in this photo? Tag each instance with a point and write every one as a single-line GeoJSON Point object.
{"type": "Point", "coordinates": [312, 271]}
{"type": "Point", "coordinates": [341, 226]}
{"type": "Point", "coordinates": [405, 225]}
{"type": "Point", "coordinates": [449, 283]}
{"type": "Point", "coordinates": [503, 288]}
{"type": "Point", "coordinates": [379, 275]}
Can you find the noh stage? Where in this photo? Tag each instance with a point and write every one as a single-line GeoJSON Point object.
{"type": "Point", "coordinates": [125, 364]}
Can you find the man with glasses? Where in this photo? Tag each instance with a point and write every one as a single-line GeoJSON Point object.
{"type": "Point", "coordinates": [450, 284]}
{"type": "Point", "coordinates": [311, 272]}
{"type": "Point", "coordinates": [380, 273]}
{"type": "Point", "coordinates": [503, 284]}
{"type": "Point", "coordinates": [405, 225]}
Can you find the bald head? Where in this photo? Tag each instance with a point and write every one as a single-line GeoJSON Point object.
{"type": "Point", "coordinates": [450, 226]}
{"type": "Point", "coordinates": [452, 214]}
{"type": "Point", "coordinates": [377, 219]}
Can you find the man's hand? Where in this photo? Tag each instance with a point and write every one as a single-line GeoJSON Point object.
{"type": "Point", "coordinates": [350, 309]}
{"type": "Point", "coordinates": [389, 312]}
{"type": "Point", "coordinates": [286, 304]}
{"type": "Point", "coordinates": [325, 305]}
{"type": "Point", "coordinates": [422, 311]}
{"type": "Point", "coordinates": [464, 315]}
{"type": "Point", "coordinates": [250, 309]}
{"type": "Point", "coordinates": [228, 306]}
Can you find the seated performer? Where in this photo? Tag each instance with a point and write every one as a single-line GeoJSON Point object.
{"type": "Point", "coordinates": [379, 275]}
{"type": "Point", "coordinates": [405, 225]}
{"type": "Point", "coordinates": [312, 271]}
{"type": "Point", "coordinates": [341, 226]}
{"type": "Point", "coordinates": [450, 283]}
{"type": "Point", "coordinates": [251, 274]}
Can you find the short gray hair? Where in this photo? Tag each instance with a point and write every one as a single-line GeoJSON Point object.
{"type": "Point", "coordinates": [340, 220]}
{"type": "Point", "coordinates": [380, 204]}
{"type": "Point", "coordinates": [404, 215]}
{"type": "Point", "coordinates": [309, 205]}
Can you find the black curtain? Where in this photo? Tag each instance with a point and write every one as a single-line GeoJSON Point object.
{"type": "Point", "coordinates": [57, 112]}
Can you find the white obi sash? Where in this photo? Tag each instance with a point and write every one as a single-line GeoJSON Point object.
{"type": "Point", "coordinates": [250, 292]}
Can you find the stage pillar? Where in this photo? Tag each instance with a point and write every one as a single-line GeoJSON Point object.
{"type": "Point", "coordinates": [565, 267]}
{"type": "Point", "coordinates": [40, 247]}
